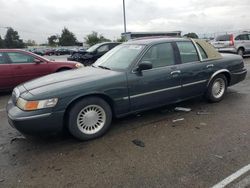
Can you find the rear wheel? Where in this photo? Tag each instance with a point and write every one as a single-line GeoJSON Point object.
{"type": "Point", "coordinates": [89, 118]}
{"type": "Point", "coordinates": [240, 52]}
{"type": "Point", "coordinates": [217, 88]}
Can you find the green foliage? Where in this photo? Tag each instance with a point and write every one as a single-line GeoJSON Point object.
{"type": "Point", "coordinates": [67, 38]}
{"type": "Point", "coordinates": [52, 40]}
{"type": "Point", "coordinates": [191, 35]}
{"type": "Point", "coordinates": [122, 39]}
{"type": "Point", "coordinates": [12, 39]}
{"type": "Point", "coordinates": [94, 38]}
{"type": "Point", "coordinates": [30, 43]}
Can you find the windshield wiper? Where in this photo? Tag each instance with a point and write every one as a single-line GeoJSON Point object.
{"type": "Point", "coordinates": [103, 67]}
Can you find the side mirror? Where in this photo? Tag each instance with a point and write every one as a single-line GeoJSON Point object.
{"type": "Point", "coordinates": [144, 65]}
{"type": "Point", "coordinates": [37, 61]}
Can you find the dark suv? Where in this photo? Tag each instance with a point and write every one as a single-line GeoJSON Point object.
{"type": "Point", "coordinates": [93, 53]}
{"type": "Point", "coordinates": [233, 43]}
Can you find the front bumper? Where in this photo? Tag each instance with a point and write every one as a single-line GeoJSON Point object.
{"type": "Point", "coordinates": [236, 77]}
{"type": "Point", "coordinates": [34, 122]}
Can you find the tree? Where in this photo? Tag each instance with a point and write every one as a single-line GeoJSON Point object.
{"type": "Point", "coordinates": [52, 40]}
{"type": "Point", "coordinates": [67, 38]}
{"type": "Point", "coordinates": [1, 42]}
{"type": "Point", "coordinates": [94, 38]}
{"type": "Point", "coordinates": [12, 39]}
{"type": "Point", "coordinates": [191, 35]}
{"type": "Point", "coordinates": [122, 39]}
{"type": "Point", "coordinates": [30, 43]}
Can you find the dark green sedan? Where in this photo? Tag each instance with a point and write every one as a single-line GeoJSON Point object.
{"type": "Point", "coordinates": [132, 77]}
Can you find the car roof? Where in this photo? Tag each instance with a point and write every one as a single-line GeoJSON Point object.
{"type": "Point", "coordinates": [155, 40]}
{"type": "Point", "coordinates": [12, 50]}
{"type": "Point", "coordinates": [109, 43]}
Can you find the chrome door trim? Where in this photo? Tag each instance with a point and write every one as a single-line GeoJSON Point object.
{"type": "Point", "coordinates": [152, 92]}
{"type": "Point", "coordinates": [194, 83]}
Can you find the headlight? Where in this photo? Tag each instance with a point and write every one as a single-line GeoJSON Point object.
{"type": "Point", "coordinates": [78, 65]}
{"type": "Point", "coordinates": [35, 105]}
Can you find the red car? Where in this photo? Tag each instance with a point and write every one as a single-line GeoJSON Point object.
{"type": "Point", "coordinates": [17, 66]}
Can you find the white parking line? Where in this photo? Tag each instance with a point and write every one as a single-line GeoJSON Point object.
{"type": "Point", "coordinates": [2, 110]}
{"type": "Point", "coordinates": [232, 177]}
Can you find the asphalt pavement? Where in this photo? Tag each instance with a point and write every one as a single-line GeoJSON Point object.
{"type": "Point", "coordinates": [157, 148]}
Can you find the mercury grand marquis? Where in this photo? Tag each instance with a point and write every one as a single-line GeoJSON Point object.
{"type": "Point", "coordinates": [132, 77]}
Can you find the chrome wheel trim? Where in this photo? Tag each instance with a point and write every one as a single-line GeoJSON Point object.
{"type": "Point", "coordinates": [218, 88]}
{"type": "Point", "coordinates": [91, 119]}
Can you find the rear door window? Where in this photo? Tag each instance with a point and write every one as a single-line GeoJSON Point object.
{"type": "Point", "coordinates": [187, 51]}
{"type": "Point", "coordinates": [202, 51]}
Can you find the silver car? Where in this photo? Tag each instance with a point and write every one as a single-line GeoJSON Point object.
{"type": "Point", "coordinates": [233, 43]}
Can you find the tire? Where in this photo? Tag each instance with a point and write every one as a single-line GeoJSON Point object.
{"type": "Point", "coordinates": [62, 69]}
{"type": "Point", "coordinates": [89, 118]}
{"type": "Point", "coordinates": [240, 52]}
{"type": "Point", "coordinates": [217, 88]}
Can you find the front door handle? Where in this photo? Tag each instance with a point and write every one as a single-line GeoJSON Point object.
{"type": "Point", "coordinates": [175, 72]}
{"type": "Point", "coordinates": [210, 66]}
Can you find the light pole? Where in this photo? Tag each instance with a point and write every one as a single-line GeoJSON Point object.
{"type": "Point", "coordinates": [124, 17]}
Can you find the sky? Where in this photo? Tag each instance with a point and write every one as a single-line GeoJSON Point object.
{"type": "Point", "coordinates": [38, 19]}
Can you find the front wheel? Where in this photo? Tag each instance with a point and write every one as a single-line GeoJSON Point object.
{"type": "Point", "coordinates": [217, 88]}
{"type": "Point", "coordinates": [89, 118]}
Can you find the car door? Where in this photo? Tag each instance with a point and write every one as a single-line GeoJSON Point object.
{"type": "Point", "coordinates": [194, 73]}
{"type": "Point", "coordinates": [248, 44]}
{"type": "Point", "coordinates": [26, 67]}
{"type": "Point", "coordinates": [156, 86]}
{"type": "Point", "coordinates": [242, 41]}
{"type": "Point", "coordinates": [6, 75]}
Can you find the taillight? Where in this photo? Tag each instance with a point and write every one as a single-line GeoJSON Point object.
{"type": "Point", "coordinates": [231, 40]}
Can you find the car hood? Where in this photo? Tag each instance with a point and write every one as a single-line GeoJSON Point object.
{"type": "Point", "coordinates": [64, 80]}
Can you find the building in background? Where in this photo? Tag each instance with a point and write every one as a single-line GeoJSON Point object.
{"type": "Point", "coordinates": [133, 35]}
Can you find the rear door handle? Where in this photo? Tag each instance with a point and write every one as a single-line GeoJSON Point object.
{"type": "Point", "coordinates": [175, 72]}
{"type": "Point", "coordinates": [210, 66]}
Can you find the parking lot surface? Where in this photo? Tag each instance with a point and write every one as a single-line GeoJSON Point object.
{"type": "Point", "coordinates": [157, 148]}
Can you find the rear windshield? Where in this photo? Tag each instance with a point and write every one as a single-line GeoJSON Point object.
{"type": "Point", "coordinates": [223, 38]}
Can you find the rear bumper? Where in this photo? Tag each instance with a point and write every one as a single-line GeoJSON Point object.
{"type": "Point", "coordinates": [238, 76]}
{"type": "Point", "coordinates": [34, 123]}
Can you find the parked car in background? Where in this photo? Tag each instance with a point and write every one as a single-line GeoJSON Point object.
{"type": "Point", "coordinates": [132, 77]}
{"type": "Point", "coordinates": [89, 56]}
{"type": "Point", "coordinates": [62, 51]}
{"type": "Point", "coordinates": [38, 52]}
{"type": "Point", "coordinates": [233, 43]}
{"type": "Point", "coordinates": [49, 52]}
{"type": "Point", "coordinates": [17, 66]}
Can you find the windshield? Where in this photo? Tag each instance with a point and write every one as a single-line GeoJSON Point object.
{"type": "Point", "coordinates": [93, 48]}
{"type": "Point", "coordinates": [119, 57]}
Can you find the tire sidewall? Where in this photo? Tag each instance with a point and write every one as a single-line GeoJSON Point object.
{"type": "Point", "coordinates": [73, 114]}
{"type": "Point", "coordinates": [241, 52]}
{"type": "Point", "coordinates": [209, 94]}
